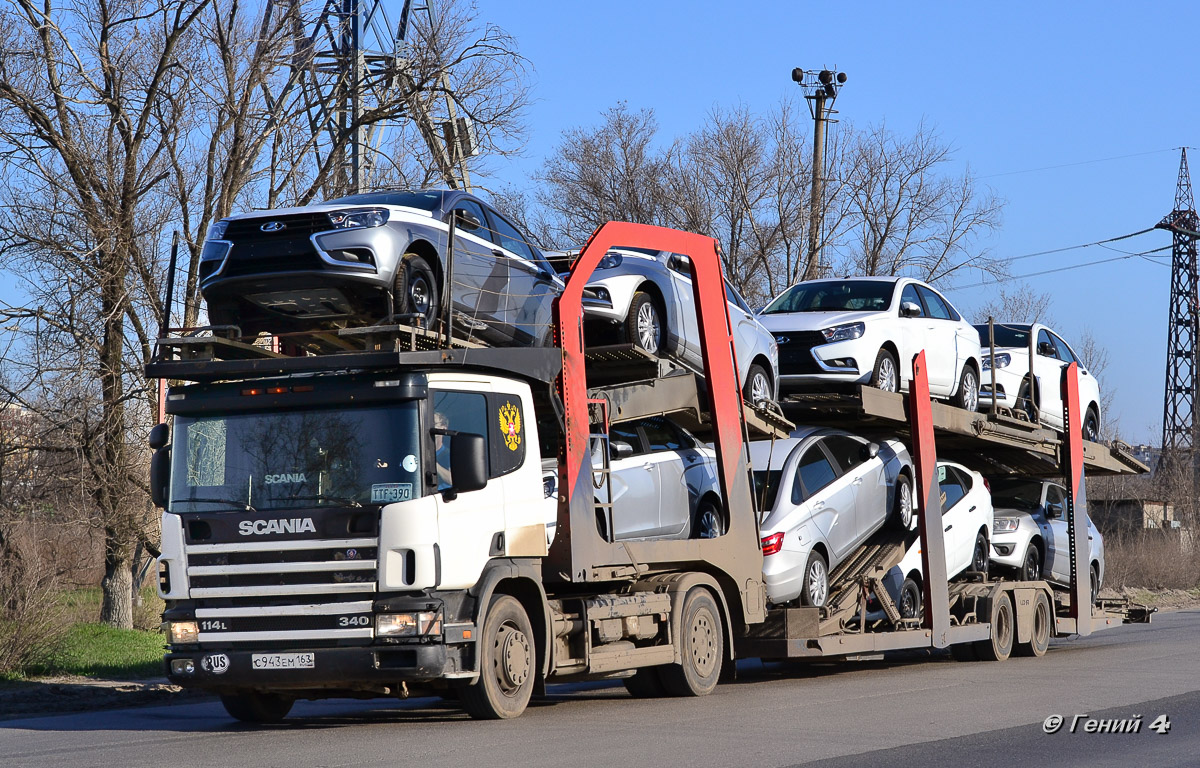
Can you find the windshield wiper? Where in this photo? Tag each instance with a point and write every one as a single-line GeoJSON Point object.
{"type": "Point", "coordinates": [233, 502]}
{"type": "Point", "coordinates": [323, 497]}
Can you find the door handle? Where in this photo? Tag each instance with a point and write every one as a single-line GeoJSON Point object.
{"type": "Point", "coordinates": [647, 466]}
{"type": "Point", "coordinates": [972, 509]}
{"type": "Point", "coordinates": [818, 505]}
{"type": "Point", "coordinates": [948, 527]}
{"type": "Point", "coordinates": [858, 481]}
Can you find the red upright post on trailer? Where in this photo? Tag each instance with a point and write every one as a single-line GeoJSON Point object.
{"type": "Point", "coordinates": [1077, 534]}
{"type": "Point", "coordinates": [933, 548]}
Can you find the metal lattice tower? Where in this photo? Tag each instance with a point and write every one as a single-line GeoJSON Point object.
{"type": "Point", "coordinates": [353, 60]}
{"type": "Point", "coordinates": [1179, 409]}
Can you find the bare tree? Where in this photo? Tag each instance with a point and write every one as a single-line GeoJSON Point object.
{"type": "Point", "coordinates": [1019, 304]}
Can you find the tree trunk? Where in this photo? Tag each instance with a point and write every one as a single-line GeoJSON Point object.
{"type": "Point", "coordinates": [116, 609]}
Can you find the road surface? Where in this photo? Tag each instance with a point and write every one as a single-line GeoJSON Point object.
{"type": "Point", "coordinates": [915, 709]}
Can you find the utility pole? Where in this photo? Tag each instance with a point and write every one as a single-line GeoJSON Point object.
{"type": "Point", "coordinates": [819, 88]}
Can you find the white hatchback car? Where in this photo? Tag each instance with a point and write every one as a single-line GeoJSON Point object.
{"type": "Point", "coordinates": [967, 517]}
{"type": "Point", "coordinates": [1012, 375]}
{"type": "Point", "coordinates": [1030, 534]}
{"type": "Point", "coordinates": [823, 492]}
{"type": "Point", "coordinates": [866, 330]}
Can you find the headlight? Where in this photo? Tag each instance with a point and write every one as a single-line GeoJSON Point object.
{"type": "Point", "coordinates": [1005, 524]}
{"type": "Point", "coordinates": [372, 217]}
{"type": "Point", "coordinates": [610, 260]}
{"type": "Point", "coordinates": [1002, 361]}
{"type": "Point", "coordinates": [183, 632]}
{"type": "Point", "coordinates": [408, 624]}
{"type": "Point", "coordinates": [844, 332]}
{"type": "Point", "coordinates": [217, 230]}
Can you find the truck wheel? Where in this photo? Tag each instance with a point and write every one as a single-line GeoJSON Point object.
{"type": "Point", "coordinates": [999, 645]}
{"type": "Point", "coordinates": [646, 683]}
{"type": "Point", "coordinates": [507, 663]}
{"type": "Point", "coordinates": [702, 646]}
{"type": "Point", "coordinates": [415, 291]}
{"type": "Point", "coordinates": [254, 707]}
{"type": "Point", "coordinates": [644, 324]}
{"type": "Point", "coordinates": [815, 589]}
{"type": "Point", "coordinates": [1039, 641]}
{"type": "Point", "coordinates": [909, 603]}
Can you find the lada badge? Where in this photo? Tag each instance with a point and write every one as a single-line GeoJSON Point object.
{"type": "Point", "coordinates": [273, 226]}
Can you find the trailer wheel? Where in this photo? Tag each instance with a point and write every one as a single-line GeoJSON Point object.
{"type": "Point", "coordinates": [702, 646]}
{"type": "Point", "coordinates": [646, 683]}
{"type": "Point", "coordinates": [999, 646]}
{"type": "Point", "coordinates": [254, 707]}
{"type": "Point", "coordinates": [507, 663]}
{"type": "Point", "coordinates": [1039, 640]}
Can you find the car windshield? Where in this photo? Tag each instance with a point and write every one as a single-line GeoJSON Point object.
{"type": "Point", "coordinates": [1017, 494]}
{"type": "Point", "coordinates": [834, 296]}
{"type": "Point", "coordinates": [295, 459]}
{"type": "Point", "coordinates": [1006, 335]}
{"type": "Point", "coordinates": [425, 201]}
{"type": "Point", "coordinates": [766, 486]}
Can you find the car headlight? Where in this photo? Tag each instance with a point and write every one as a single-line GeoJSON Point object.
{"type": "Point", "coordinates": [610, 260]}
{"type": "Point", "coordinates": [1005, 524]}
{"type": "Point", "coordinates": [183, 632]}
{"type": "Point", "coordinates": [844, 332]}
{"type": "Point", "coordinates": [1002, 360]}
{"type": "Point", "coordinates": [408, 624]}
{"type": "Point", "coordinates": [216, 230]}
{"type": "Point", "coordinates": [371, 217]}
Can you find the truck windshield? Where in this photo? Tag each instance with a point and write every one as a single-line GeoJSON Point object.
{"type": "Point", "coordinates": [292, 459]}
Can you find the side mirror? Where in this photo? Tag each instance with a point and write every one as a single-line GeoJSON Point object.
{"type": "Point", "coordinates": [910, 309]}
{"type": "Point", "coordinates": [160, 475]}
{"type": "Point", "coordinates": [869, 451]}
{"type": "Point", "coordinates": [467, 220]}
{"type": "Point", "coordinates": [468, 462]}
{"type": "Point", "coordinates": [1045, 349]}
{"type": "Point", "coordinates": [1054, 511]}
{"type": "Point", "coordinates": [159, 435]}
{"type": "Point", "coordinates": [620, 450]}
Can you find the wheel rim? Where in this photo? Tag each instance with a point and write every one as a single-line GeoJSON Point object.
{"type": "Point", "coordinates": [886, 378]}
{"type": "Point", "coordinates": [1041, 624]}
{"type": "Point", "coordinates": [1004, 626]}
{"type": "Point", "coordinates": [703, 642]}
{"type": "Point", "coordinates": [906, 507]}
{"type": "Point", "coordinates": [1095, 579]}
{"type": "Point", "coordinates": [512, 661]}
{"type": "Point", "coordinates": [648, 327]}
{"type": "Point", "coordinates": [419, 295]}
{"type": "Point", "coordinates": [708, 524]}
{"type": "Point", "coordinates": [1033, 570]}
{"type": "Point", "coordinates": [817, 588]}
{"type": "Point", "coordinates": [760, 388]}
{"type": "Point", "coordinates": [970, 398]}
{"type": "Point", "coordinates": [1091, 429]}
{"type": "Point", "coordinates": [980, 563]}
{"type": "Point", "coordinates": [908, 604]}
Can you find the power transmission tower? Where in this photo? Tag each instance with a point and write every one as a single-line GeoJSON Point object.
{"type": "Point", "coordinates": [351, 61]}
{"type": "Point", "coordinates": [1179, 409]}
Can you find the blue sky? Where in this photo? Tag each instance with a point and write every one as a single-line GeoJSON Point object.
{"type": "Point", "coordinates": [1012, 86]}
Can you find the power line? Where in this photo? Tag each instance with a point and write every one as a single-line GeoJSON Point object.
{"type": "Point", "coordinates": [1124, 255]}
{"type": "Point", "coordinates": [1081, 162]}
{"type": "Point", "coordinates": [1076, 247]}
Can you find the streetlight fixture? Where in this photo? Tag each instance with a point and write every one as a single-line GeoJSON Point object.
{"type": "Point", "coordinates": [820, 91]}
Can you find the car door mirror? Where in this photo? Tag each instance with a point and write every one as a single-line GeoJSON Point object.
{"type": "Point", "coordinates": [1054, 511]}
{"type": "Point", "coordinates": [467, 220]}
{"type": "Point", "coordinates": [869, 451]}
{"type": "Point", "coordinates": [468, 463]}
{"type": "Point", "coordinates": [618, 449]}
{"type": "Point", "coordinates": [910, 309]}
{"type": "Point", "coordinates": [1045, 348]}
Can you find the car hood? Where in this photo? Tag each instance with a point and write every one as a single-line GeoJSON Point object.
{"type": "Point", "coordinates": [318, 208]}
{"type": "Point", "coordinates": [812, 321]}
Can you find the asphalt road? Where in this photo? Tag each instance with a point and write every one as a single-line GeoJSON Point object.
{"type": "Point", "coordinates": [918, 709]}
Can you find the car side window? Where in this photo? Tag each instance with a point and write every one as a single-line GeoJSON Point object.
{"type": "Point", "coordinates": [1055, 500]}
{"type": "Point", "coordinates": [954, 315]}
{"type": "Point", "coordinates": [736, 299]}
{"type": "Point", "coordinates": [847, 451]}
{"type": "Point", "coordinates": [661, 435]}
{"type": "Point", "coordinates": [937, 308]}
{"type": "Point", "coordinates": [1064, 352]}
{"type": "Point", "coordinates": [509, 238]}
{"type": "Point", "coordinates": [953, 488]}
{"type": "Point", "coordinates": [626, 433]}
{"type": "Point", "coordinates": [475, 212]}
{"type": "Point", "coordinates": [910, 294]}
{"type": "Point", "coordinates": [814, 473]}
{"type": "Point", "coordinates": [1044, 338]}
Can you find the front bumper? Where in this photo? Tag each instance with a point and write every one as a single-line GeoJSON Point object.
{"type": "Point", "coordinates": [1008, 550]}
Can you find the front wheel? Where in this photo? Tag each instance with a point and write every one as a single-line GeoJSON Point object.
{"type": "Point", "coordinates": [909, 604]}
{"type": "Point", "coordinates": [1031, 567]}
{"type": "Point", "coordinates": [967, 396]}
{"type": "Point", "coordinates": [254, 707]}
{"type": "Point", "coordinates": [709, 522]}
{"type": "Point", "coordinates": [1094, 574]}
{"type": "Point", "coordinates": [758, 385]}
{"type": "Point", "coordinates": [902, 511]}
{"type": "Point", "coordinates": [415, 291]}
{"type": "Point", "coordinates": [886, 375]}
{"type": "Point", "coordinates": [507, 663]}
{"type": "Point", "coordinates": [979, 557]}
{"type": "Point", "coordinates": [702, 648]}
{"type": "Point", "coordinates": [1091, 424]}
{"type": "Point", "coordinates": [815, 590]}
{"type": "Point", "coordinates": [644, 324]}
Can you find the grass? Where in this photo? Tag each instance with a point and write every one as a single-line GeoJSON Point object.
{"type": "Point", "coordinates": [95, 650]}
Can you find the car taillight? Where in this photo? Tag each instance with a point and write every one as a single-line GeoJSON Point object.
{"type": "Point", "coordinates": [772, 544]}
{"type": "Point", "coordinates": [987, 485]}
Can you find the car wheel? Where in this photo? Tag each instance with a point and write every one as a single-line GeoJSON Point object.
{"type": "Point", "coordinates": [1031, 568]}
{"type": "Point", "coordinates": [702, 648]}
{"type": "Point", "coordinates": [815, 589]}
{"type": "Point", "coordinates": [1091, 424]}
{"type": "Point", "coordinates": [758, 385]}
{"type": "Point", "coordinates": [980, 558]}
{"type": "Point", "coordinates": [1026, 401]}
{"type": "Point", "coordinates": [1094, 574]}
{"type": "Point", "coordinates": [886, 375]}
{"type": "Point", "coordinates": [1039, 638]}
{"type": "Point", "coordinates": [644, 324]}
{"type": "Point", "coordinates": [967, 396]}
{"type": "Point", "coordinates": [708, 522]}
{"type": "Point", "coordinates": [415, 290]}
{"type": "Point", "coordinates": [253, 707]}
{"type": "Point", "coordinates": [998, 647]}
{"type": "Point", "coordinates": [909, 603]}
{"type": "Point", "coordinates": [507, 663]}
{"type": "Point", "coordinates": [902, 512]}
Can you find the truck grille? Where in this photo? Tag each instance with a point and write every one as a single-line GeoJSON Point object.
{"type": "Point", "coordinates": [795, 354]}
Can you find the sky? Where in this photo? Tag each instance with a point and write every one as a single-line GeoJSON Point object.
{"type": "Point", "coordinates": [1073, 113]}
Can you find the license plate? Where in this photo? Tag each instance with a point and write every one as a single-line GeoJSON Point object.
{"type": "Point", "coordinates": [388, 493]}
{"type": "Point", "coordinates": [282, 660]}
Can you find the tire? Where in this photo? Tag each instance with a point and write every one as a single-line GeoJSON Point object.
{"type": "Point", "coordinates": [507, 663]}
{"type": "Point", "coordinates": [646, 683]}
{"type": "Point", "coordinates": [415, 290]}
{"type": "Point", "coordinates": [909, 603]}
{"type": "Point", "coordinates": [1026, 401]}
{"type": "Point", "coordinates": [254, 707]}
{"type": "Point", "coordinates": [702, 646]}
{"type": "Point", "coordinates": [999, 646]}
{"type": "Point", "coordinates": [1039, 640]}
{"type": "Point", "coordinates": [886, 374]}
{"type": "Point", "coordinates": [645, 326]}
{"type": "Point", "coordinates": [902, 508]}
{"type": "Point", "coordinates": [979, 556]}
{"type": "Point", "coordinates": [967, 396]}
{"type": "Point", "coordinates": [815, 588]}
{"type": "Point", "coordinates": [1091, 424]}
{"type": "Point", "coordinates": [758, 385]}
{"type": "Point", "coordinates": [1031, 566]}
{"type": "Point", "coordinates": [708, 522]}
{"type": "Point", "coordinates": [1094, 578]}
